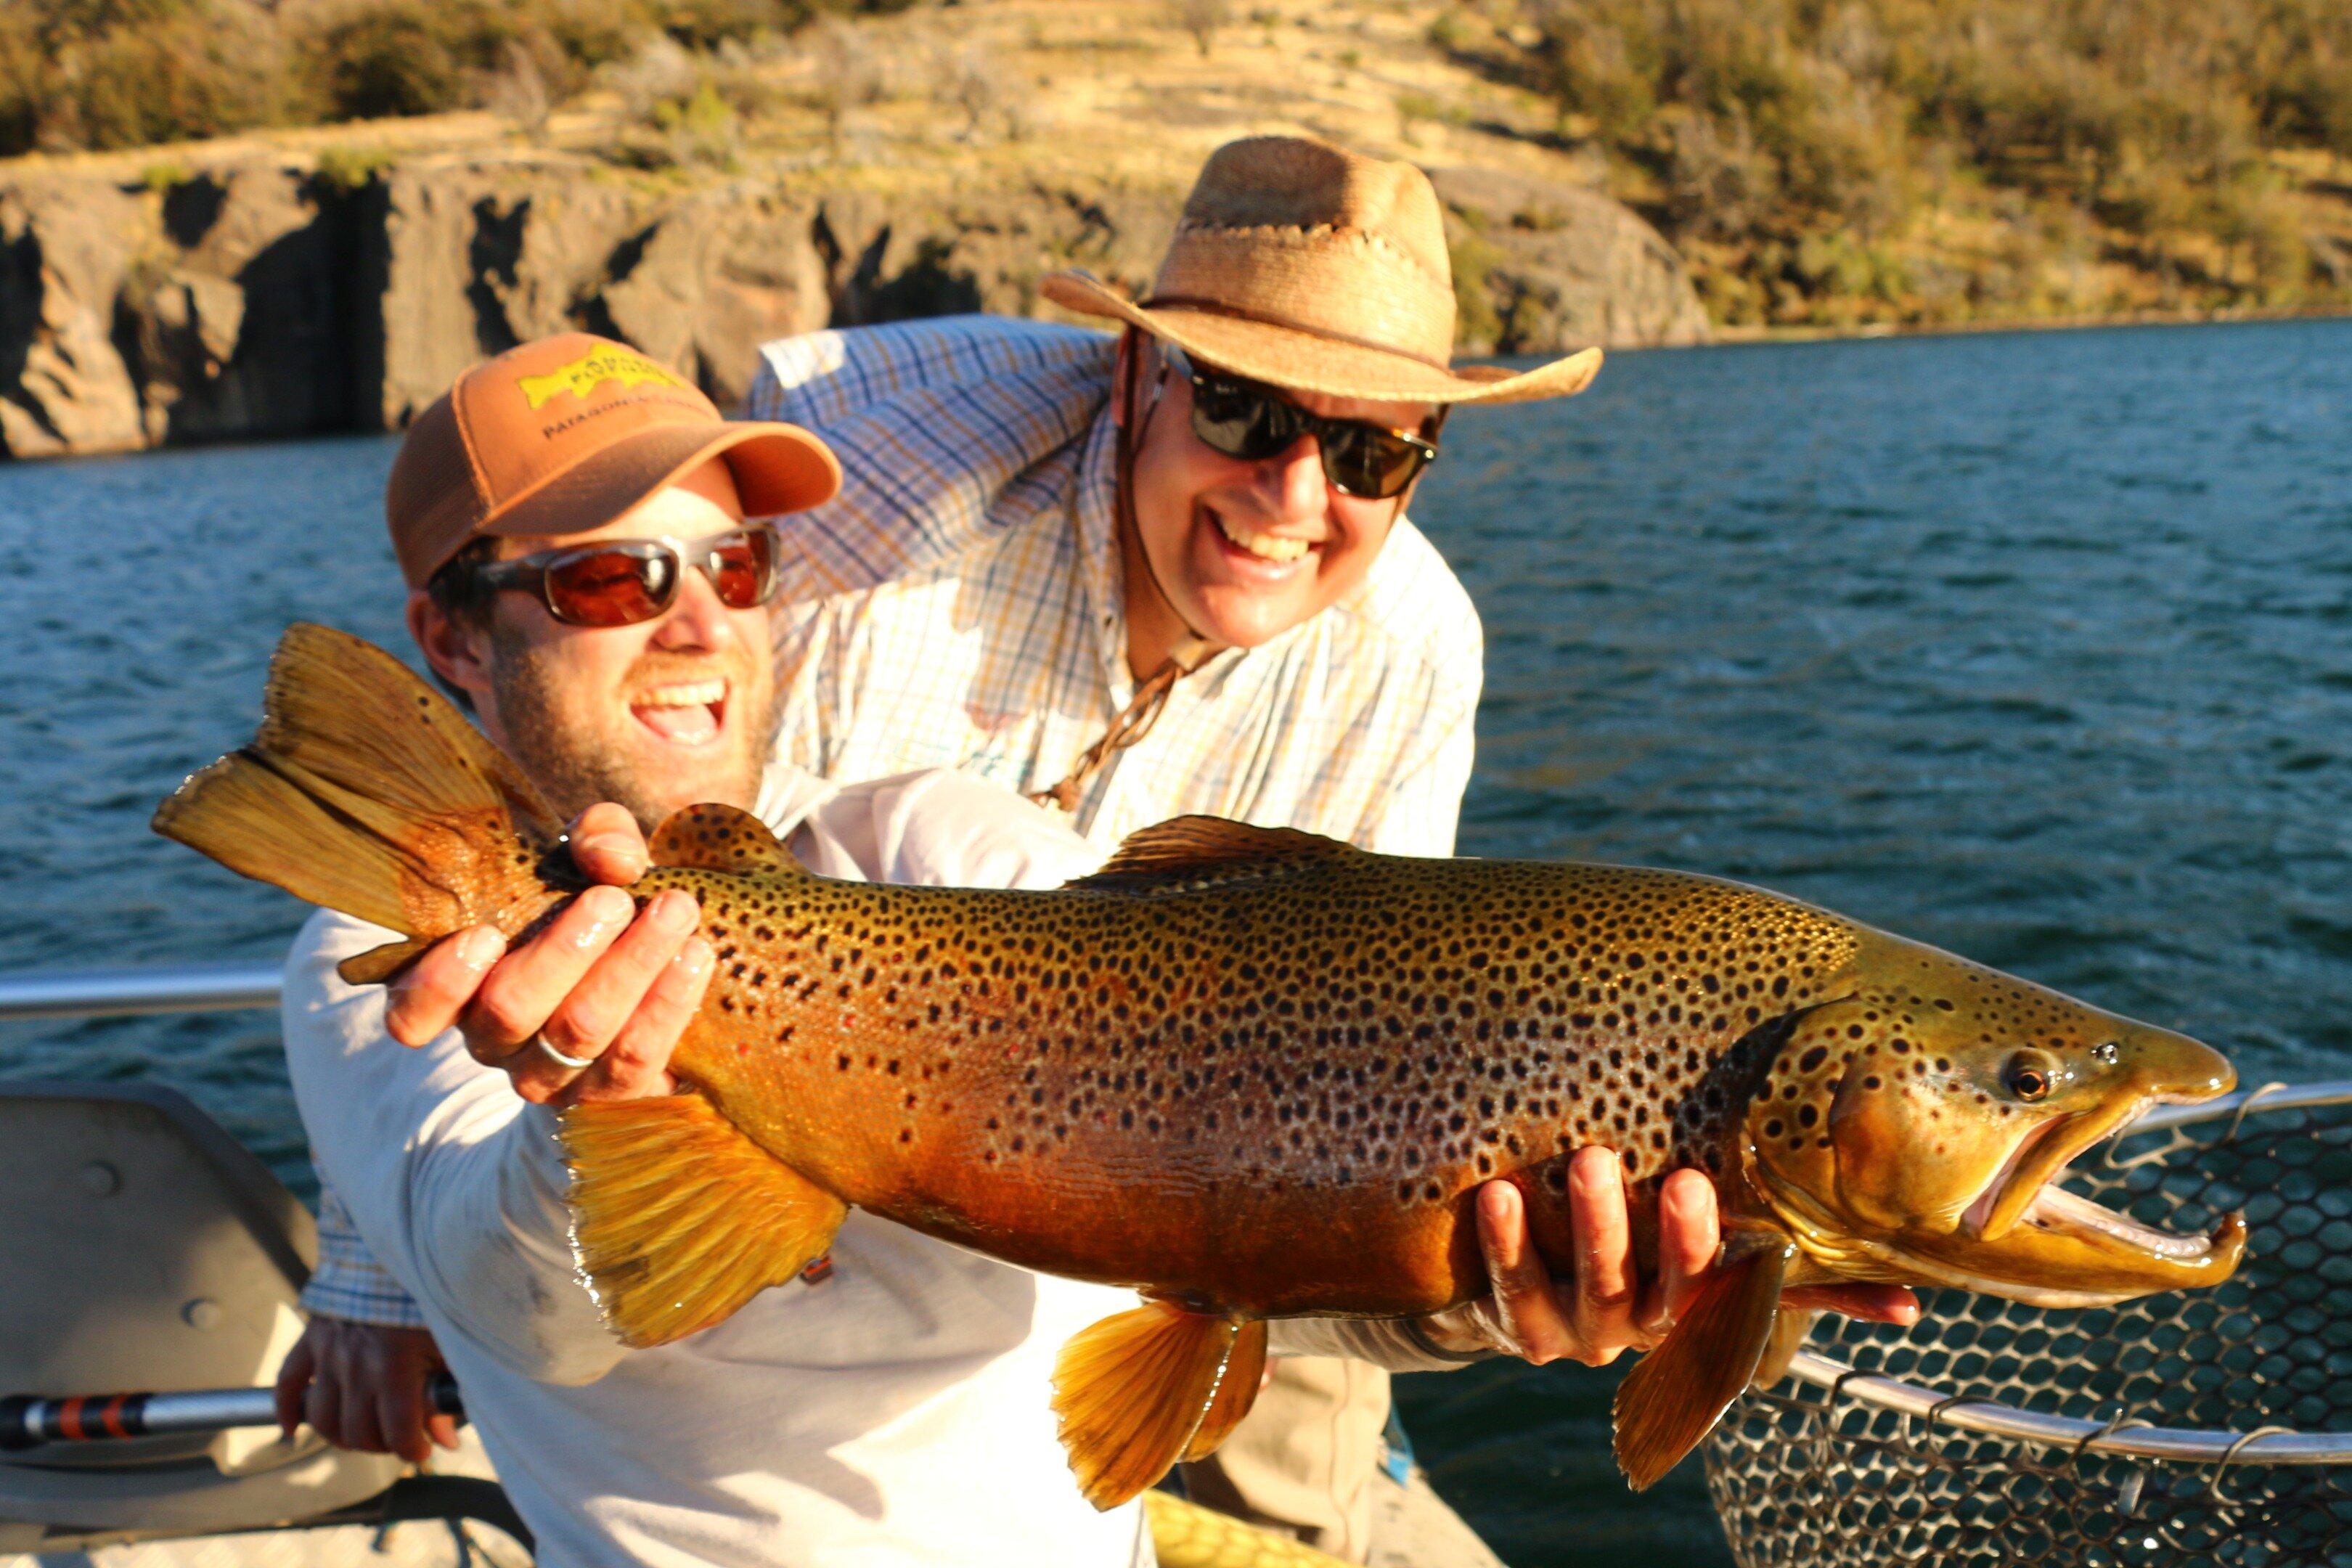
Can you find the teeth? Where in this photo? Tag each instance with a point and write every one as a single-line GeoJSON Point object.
{"type": "Point", "coordinates": [700, 694]}
{"type": "Point", "coordinates": [2054, 1205]}
{"type": "Point", "coordinates": [1266, 546]}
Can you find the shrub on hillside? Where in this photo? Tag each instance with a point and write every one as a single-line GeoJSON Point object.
{"type": "Point", "coordinates": [1763, 125]}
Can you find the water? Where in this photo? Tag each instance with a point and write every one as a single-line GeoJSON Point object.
{"type": "Point", "coordinates": [2036, 646]}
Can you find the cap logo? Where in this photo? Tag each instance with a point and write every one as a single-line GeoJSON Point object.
{"type": "Point", "coordinates": [591, 370]}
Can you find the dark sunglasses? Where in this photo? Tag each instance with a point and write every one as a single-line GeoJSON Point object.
{"type": "Point", "coordinates": [620, 582]}
{"type": "Point", "coordinates": [1242, 419]}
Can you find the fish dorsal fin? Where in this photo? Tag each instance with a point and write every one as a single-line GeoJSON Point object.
{"type": "Point", "coordinates": [1198, 851]}
{"type": "Point", "coordinates": [713, 837]}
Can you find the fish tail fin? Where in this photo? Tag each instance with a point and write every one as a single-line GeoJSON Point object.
{"type": "Point", "coordinates": [679, 1217]}
{"type": "Point", "coordinates": [366, 791]}
{"type": "Point", "coordinates": [1140, 1390]}
{"type": "Point", "coordinates": [1674, 1398]}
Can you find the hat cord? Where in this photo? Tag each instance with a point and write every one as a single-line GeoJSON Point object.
{"type": "Point", "coordinates": [1134, 721]}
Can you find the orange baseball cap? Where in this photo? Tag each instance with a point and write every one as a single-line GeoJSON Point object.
{"type": "Point", "coordinates": [563, 434]}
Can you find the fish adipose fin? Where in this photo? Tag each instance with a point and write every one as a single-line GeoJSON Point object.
{"type": "Point", "coordinates": [1679, 1391]}
{"type": "Point", "coordinates": [366, 791]}
{"type": "Point", "coordinates": [1201, 851]}
{"type": "Point", "coordinates": [678, 1219]}
{"type": "Point", "coordinates": [712, 837]}
{"type": "Point", "coordinates": [1140, 1390]}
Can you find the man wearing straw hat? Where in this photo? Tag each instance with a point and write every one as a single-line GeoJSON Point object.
{"type": "Point", "coordinates": [1169, 574]}
{"type": "Point", "coordinates": [1173, 573]}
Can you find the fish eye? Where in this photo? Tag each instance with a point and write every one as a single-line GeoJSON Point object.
{"type": "Point", "coordinates": [2030, 1076]}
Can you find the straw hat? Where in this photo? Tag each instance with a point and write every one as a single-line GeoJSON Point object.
{"type": "Point", "coordinates": [1308, 266]}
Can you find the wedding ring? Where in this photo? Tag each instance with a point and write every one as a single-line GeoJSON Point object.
{"type": "Point", "coordinates": [574, 1064]}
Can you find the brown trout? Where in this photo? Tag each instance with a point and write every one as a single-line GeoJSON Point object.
{"type": "Point", "coordinates": [1250, 1072]}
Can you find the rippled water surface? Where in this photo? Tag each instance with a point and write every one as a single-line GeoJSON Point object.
{"type": "Point", "coordinates": [2036, 646]}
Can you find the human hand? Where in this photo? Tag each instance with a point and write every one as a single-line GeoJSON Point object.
{"type": "Point", "coordinates": [602, 981]}
{"type": "Point", "coordinates": [1605, 1309]}
{"type": "Point", "coordinates": [362, 1385]}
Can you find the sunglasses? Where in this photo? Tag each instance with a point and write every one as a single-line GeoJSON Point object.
{"type": "Point", "coordinates": [618, 582]}
{"type": "Point", "coordinates": [1242, 419]}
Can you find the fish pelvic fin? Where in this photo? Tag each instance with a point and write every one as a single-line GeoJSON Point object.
{"type": "Point", "coordinates": [1135, 1391]}
{"type": "Point", "coordinates": [713, 837]}
{"type": "Point", "coordinates": [366, 791]}
{"type": "Point", "coordinates": [1237, 1388]}
{"type": "Point", "coordinates": [1672, 1399]}
{"type": "Point", "coordinates": [1201, 851]}
{"type": "Point", "coordinates": [678, 1218]}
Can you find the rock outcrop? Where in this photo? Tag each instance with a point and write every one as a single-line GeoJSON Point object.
{"type": "Point", "coordinates": [263, 298]}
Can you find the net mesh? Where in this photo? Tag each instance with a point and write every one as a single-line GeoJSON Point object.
{"type": "Point", "coordinates": [1803, 1475]}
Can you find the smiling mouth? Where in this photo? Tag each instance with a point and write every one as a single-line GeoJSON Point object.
{"type": "Point", "coordinates": [1274, 548]}
{"type": "Point", "coordinates": [685, 713]}
{"type": "Point", "coordinates": [2026, 1191]}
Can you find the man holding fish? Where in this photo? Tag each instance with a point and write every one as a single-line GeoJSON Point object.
{"type": "Point", "coordinates": [1172, 576]}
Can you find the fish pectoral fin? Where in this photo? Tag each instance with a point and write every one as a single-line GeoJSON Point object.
{"type": "Point", "coordinates": [1195, 851]}
{"type": "Point", "coordinates": [1790, 1328]}
{"type": "Point", "coordinates": [1679, 1391]}
{"type": "Point", "coordinates": [678, 1218]}
{"type": "Point", "coordinates": [1134, 1392]}
{"type": "Point", "coordinates": [713, 837]}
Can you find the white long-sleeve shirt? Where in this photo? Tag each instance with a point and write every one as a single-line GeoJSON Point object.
{"type": "Point", "coordinates": [893, 1413]}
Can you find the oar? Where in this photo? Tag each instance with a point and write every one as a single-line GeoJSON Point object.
{"type": "Point", "coordinates": [28, 1420]}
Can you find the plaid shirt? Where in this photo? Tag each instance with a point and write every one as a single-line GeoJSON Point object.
{"type": "Point", "coordinates": [959, 605]}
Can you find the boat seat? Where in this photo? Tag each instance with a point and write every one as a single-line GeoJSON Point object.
{"type": "Point", "coordinates": [146, 1250]}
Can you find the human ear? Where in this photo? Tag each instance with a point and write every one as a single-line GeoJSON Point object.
{"type": "Point", "coordinates": [457, 652]}
{"type": "Point", "coordinates": [1129, 345]}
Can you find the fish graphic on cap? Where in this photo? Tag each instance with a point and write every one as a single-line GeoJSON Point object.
{"type": "Point", "coordinates": [591, 370]}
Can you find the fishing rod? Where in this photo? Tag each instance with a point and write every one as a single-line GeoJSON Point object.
{"type": "Point", "coordinates": [29, 1420]}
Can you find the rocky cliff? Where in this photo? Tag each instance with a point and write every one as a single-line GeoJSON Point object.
{"type": "Point", "coordinates": [258, 297]}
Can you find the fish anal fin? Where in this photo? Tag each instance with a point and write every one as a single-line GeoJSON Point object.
{"type": "Point", "coordinates": [1198, 851]}
{"type": "Point", "coordinates": [713, 837]}
{"type": "Point", "coordinates": [378, 964]}
{"type": "Point", "coordinates": [1131, 1390]}
{"type": "Point", "coordinates": [678, 1218]}
{"type": "Point", "coordinates": [1680, 1390]}
{"type": "Point", "coordinates": [1237, 1387]}
{"type": "Point", "coordinates": [1788, 1331]}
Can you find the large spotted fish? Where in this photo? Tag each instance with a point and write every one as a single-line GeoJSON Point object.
{"type": "Point", "coordinates": [1251, 1073]}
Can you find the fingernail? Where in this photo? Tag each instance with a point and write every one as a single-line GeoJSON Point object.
{"type": "Point", "coordinates": [1497, 1200]}
{"type": "Point", "coordinates": [693, 958]}
{"type": "Point", "coordinates": [605, 844]}
{"type": "Point", "coordinates": [608, 906]}
{"type": "Point", "coordinates": [479, 947]}
{"type": "Point", "coordinates": [673, 911]}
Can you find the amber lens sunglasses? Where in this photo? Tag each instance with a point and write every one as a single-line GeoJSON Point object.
{"type": "Point", "coordinates": [620, 582]}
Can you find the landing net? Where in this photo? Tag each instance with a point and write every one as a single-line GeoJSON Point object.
{"type": "Point", "coordinates": [2204, 1428]}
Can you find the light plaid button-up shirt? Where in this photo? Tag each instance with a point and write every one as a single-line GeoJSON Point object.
{"type": "Point", "coordinates": [959, 605]}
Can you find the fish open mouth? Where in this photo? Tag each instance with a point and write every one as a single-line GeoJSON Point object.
{"type": "Point", "coordinates": [2025, 1191]}
{"type": "Point", "coordinates": [2055, 1208]}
